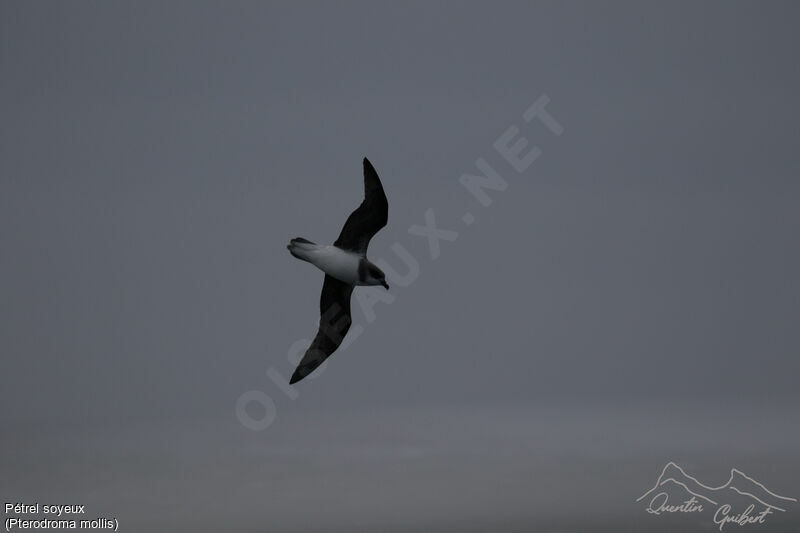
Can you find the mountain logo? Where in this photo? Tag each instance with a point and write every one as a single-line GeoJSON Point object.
{"type": "Point", "coordinates": [741, 500]}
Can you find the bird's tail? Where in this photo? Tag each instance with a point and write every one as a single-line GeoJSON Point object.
{"type": "Point", "coordinates": [300, 248]}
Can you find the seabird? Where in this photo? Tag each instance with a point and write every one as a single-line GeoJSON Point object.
{"type": "Point", "coordinates": [345, 265]}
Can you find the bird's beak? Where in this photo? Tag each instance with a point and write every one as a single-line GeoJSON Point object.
{"type": "Point", "coordinates": [385, 284]}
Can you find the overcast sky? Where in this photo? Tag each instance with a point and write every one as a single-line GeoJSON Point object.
{"type": "Point", "coordinates": [155, 159]}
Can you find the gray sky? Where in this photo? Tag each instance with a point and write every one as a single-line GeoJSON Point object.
{"type": "Point", "coordinates": [156, 158]}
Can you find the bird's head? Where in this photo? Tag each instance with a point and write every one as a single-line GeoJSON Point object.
{"type": "Point", "coordinates": [375, 276]}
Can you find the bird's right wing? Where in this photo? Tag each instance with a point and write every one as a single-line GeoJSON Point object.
{"type": "Point", "coordinates": [368, 218]}
{"type": "Point", "coordinates": [334, 322]}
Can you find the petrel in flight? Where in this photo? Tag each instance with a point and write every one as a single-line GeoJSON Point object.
{"type": "Point", "coordinates": [345, 265]}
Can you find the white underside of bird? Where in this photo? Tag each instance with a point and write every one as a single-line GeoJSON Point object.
{"type": "Point", "coordinates": [334, 261]}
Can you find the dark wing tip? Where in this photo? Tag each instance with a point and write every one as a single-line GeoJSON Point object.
{"type": "Point", "coordinates": [306, 367]}
{"type": "Point", "coordinates": [368, 166]}
{"type": "Point", "coordinates": [302, 371]}
{"type": "Point", "coordinates": [368, 218]}
{"type": "Point", "coordinates": [372, 183]}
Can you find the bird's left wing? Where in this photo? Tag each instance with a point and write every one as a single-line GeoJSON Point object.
{"type": "Point", "coordinates": [334, 322]}
{"type": "Point", "coordinates": [368, 218]}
